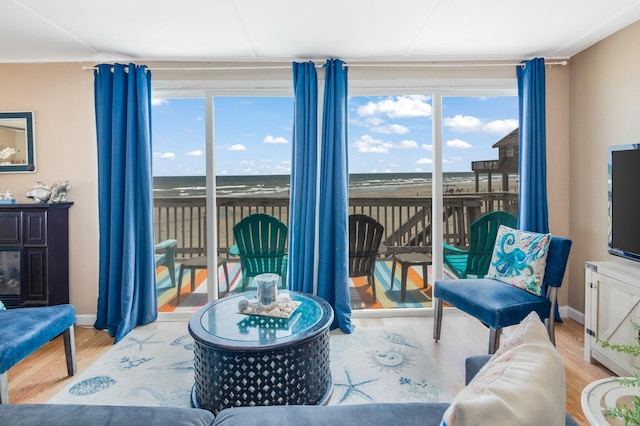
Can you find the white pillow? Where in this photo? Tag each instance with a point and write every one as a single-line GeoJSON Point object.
{"type": "Point", "coordinates": [520, 258]}
{"type": "Point", "coordinates": [2, 308]}
{"type": "Point", "coordinates": [522, 384]}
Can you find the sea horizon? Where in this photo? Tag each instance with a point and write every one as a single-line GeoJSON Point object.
{"type": "Point", "coordinates": [278, 185]}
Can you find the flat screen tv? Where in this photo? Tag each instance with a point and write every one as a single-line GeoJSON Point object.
{"type": "Point", "coordinates": [624, 201]}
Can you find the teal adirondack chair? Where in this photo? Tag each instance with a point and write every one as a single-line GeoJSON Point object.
{"type": "Point", "coordinates": [165, 255]}
{"type": "Point", "coordinates": [260, 243]}
{"type": "Point", "coordinates": [474, 261]}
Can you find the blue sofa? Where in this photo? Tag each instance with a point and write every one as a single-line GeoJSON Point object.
{"type": "Point", "coordinates": [425, 414]}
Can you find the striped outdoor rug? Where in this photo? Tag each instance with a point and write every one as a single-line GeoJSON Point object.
{"type": "Point", "coordinates": [360, 291]}
{"type": "Point", "coordinates": [386, 298]}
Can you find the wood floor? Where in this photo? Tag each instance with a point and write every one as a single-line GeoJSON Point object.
{"type": "Point", "coordinates": [41, 375]}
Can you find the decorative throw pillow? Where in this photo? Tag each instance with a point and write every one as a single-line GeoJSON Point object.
{"type": "Point", "coordinates": [523, 384]}
{"type": "Point", "coordinates": [2, 308]}
{"type": "Point", "coordinates": [519, 258]}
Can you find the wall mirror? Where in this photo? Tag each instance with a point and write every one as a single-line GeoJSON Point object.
{"type": "Point", "coordinates": [17, 146]}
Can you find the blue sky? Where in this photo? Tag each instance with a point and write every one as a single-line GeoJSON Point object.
{"type": "Point", "coordinates": [387, 134]}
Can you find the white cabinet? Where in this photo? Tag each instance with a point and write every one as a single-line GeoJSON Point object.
{"type": "Point", "coordinates": [612, 302]}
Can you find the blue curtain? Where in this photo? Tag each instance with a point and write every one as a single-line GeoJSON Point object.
{"type": "Point", "coordinates": [533, 212]}
{"type": "Point", "coordinates": [304, 169]}
{"type": "Point", "coordinates": [127, 286]}
{"type": "Point", "coordinates": [333, 233]}
{"type": "Point", "coordinates": [532, 199]}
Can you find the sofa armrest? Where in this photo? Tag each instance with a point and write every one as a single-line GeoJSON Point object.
{"type": "Point", "coordinates": [472, 365]}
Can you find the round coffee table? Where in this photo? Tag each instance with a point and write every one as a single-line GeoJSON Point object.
{"type": "Point", "coordinates": [605, 393]}
{"type": "Point", "coordinates": [247, 360]}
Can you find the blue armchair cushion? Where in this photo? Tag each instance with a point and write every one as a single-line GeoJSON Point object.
{"type": "Point", "coordinates": [493, 302]}
{"type": "Point", "coordinates": [24, 330]}
{"type": "Point", "coordinates": [519, 258]}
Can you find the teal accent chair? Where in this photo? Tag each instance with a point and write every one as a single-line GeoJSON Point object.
{"type": "Point", "coordinates": [261, 241]}
{"type": "Point", "coordinates": [498, 304]}
{"type": "Point", "coordinates": [474, 261]}
{"type": "Point", "coordinates": [166, 256]}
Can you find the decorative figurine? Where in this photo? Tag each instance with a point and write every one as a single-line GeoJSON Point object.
{"type": "Point", "coordinates": [59, 192]}
{"type": "Point", "coordinates": [5, 154]}
{"type": "Point", "coordinates": [40, 193]}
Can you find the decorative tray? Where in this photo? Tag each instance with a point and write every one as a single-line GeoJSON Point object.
{"type": "Point", "coordinates": [284, 307]}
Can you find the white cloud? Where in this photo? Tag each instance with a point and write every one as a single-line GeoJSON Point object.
{"type": "Point", "coordinates": [368, 144]}
{"type": "Point", "coordinates": [397, 129]}
{"type": "Point", "coordinates": [196, 153]}
{"type": "Point", "coordinates": [274, 139]}
{"type": "Point", "coordinates": [408, 144]}
{"type": "Point", "coordinates": [237, 147]}
{"type": "Point", "coordinates": [500, 127]}
{"type": "Point", "coordinates": [424, 161]}
{"type": "Point", "coordinates": [468, 123]}
{"type": "Point", "coordinates": [463, 123]}
{"type": "Point", "coordinates": [428, 147]}
{"type": "Point", "coordinates": [399, 107]}
{"type": "Point", "coordinates": [457, 143]}
{"type": "Point", "coordinates": [164, 155]}
{"type": "Point", "coordinates": [159, 102]}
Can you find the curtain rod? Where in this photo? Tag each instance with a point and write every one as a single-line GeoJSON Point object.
{"type": "Point", "coordinates": [354, 65]}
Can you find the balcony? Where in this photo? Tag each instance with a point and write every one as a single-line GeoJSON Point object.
{"type": "Point", "coordinates": [407, 221]}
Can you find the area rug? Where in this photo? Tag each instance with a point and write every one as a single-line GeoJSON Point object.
{"type": "Point", "coordinates": [153, 366]}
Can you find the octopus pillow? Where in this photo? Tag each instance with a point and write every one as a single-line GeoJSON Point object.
{"type": "Point", "coordinates": [519, 258]}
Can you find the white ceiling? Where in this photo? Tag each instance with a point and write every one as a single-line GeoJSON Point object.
{"type": "Point", "coordinates": [285, 30]}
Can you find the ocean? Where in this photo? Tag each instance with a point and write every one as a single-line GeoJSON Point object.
{"type": "Point", "coordinates": [278, 185]}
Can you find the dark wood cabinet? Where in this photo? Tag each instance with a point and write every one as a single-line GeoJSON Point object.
{"type": "Point", "coordinates": [34, 254]}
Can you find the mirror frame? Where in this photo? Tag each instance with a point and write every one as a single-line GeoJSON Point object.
{"type": "Point", "coordinates": [29, 143]}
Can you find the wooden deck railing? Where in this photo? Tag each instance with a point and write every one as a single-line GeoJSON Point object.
{"type": "Point", "coordinates": [407, 221]}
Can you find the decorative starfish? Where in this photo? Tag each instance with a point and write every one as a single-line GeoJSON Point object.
{"type": "Point", "coordinates": [139, 342]}
{"type": "Point", "coordinates": [7, 195]}
{"type": "Point", "coordinates": [352, 388]}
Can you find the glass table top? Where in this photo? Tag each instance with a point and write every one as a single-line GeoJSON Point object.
{"type": "Point", "coordinates": [221, 324]}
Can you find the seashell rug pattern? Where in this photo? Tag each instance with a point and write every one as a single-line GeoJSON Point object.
{"type": "Point", "coordinates": [153, 366]}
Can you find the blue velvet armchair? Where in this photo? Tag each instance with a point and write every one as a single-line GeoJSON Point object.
{"type": "Point", "coordinates": [498, 304]}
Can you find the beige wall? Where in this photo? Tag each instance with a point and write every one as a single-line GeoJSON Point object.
{"type": "Point", "coordinates": [605, 110]}
{"type": "Point", "coordinates": [557, 96]}
{"type": "Point", "coordinates": [61, 98]}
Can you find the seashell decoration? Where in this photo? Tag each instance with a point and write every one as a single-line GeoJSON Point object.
{"type": "Point", "coordinates": [40, 193]}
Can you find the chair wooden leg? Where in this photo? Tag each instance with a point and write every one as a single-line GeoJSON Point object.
{"type": "Point", "coordinates": [226, 274]}
{"type": "Point", "coordinates": [494, 339]}
{"type": "Point", "coordinates": [179, 285]}
{"type": "Point", "coordinates": [372, 281]}
{"type": "Point", "coordinates": [4, 388]}
{"type": "Point", "coordinates": [70, 350]}
{"type": "Point", "coordinates": [193, 280]}
{"type": "Point", "coordinates": [425, 276]}
{"type": "Point", "coordinates": [437, 319]}
{"type": "Point", "coordinates": [403, 281]}
{"type": "Point", "coordinates": [393, 271]}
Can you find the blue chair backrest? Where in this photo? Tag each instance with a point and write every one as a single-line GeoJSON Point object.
{"type": "Point", "coordinates": [556, 261]}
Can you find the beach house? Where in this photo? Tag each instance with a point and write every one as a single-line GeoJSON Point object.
{"type": "Point", "coordinates": [592, 102]}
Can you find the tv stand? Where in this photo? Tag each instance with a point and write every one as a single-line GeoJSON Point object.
{"type": "Point", "coordinates": [612, 302]}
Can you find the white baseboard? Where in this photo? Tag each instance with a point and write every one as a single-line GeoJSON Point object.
{"type": "Point", "coordinates": [569, 312]}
